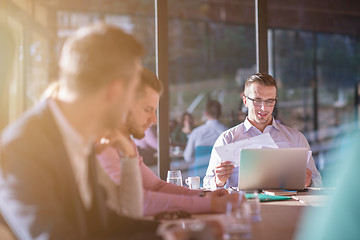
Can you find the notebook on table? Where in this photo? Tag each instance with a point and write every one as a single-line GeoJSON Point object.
{"type": "Point", "coordinates": [282, 168]}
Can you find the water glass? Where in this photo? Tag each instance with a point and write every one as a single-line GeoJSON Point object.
{"type": "Point", "coordinates": [237, 224]}
{"type": "Point", "coordinates": [174, 176]}
{"type": "Point", "coordinates": [254, 204]}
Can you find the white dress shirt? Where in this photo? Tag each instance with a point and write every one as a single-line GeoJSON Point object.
{"type": "Point", "coordinates": [283, 136]}
{"type": "Point", "coordinates": [78, 150]}
{"type": "Point", "coordinates": [204, 135]}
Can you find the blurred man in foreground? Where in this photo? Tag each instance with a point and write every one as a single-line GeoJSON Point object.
{"type": "Point", "coordinates": [48, 176]}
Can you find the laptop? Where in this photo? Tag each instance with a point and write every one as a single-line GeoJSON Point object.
{"type": "Point", "coordinates": [270, 168]}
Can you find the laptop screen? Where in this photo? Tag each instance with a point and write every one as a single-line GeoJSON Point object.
{"type": "Point", "coordinates": [272, 168]}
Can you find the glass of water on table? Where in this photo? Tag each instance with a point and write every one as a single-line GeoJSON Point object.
{"type": "Point", "coordinates": [174, 176]}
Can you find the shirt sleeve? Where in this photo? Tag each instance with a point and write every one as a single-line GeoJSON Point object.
{"type": "Point", "coordinates": [156, 202]}
{"type": "Point", "coordinates": [209, 179]}
{"type": "Point", "coordinates": [161, 196]}
{"type": "Point", "coordinates": [315, 174]}
{"type": "Point", "coordinates": [153, 183]}
{"type": "Point", "coordinates": [110, 160]}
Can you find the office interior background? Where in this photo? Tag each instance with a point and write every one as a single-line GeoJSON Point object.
{"type": "Point", "coordinates": [313, 51]}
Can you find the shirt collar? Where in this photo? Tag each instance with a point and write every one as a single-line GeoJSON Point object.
{"type": "Point", "coordinates": [69, 133]}
{"type": "Point", "coordinates": [275, 124]}
{"type": "Point", "coordinates": [248, 125]}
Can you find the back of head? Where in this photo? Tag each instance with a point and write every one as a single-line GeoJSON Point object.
{"type": "Point", "coordinates": [263, 79]}
{"type": "Point", "coordinates": [96, 55]}
{"type": "Point", "coordinates": [149, 79]}
{"type": "Point", "coordinates": [213, 109]}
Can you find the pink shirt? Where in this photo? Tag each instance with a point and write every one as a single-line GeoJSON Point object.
{"type": "Point", "coordinates": [159, 195]}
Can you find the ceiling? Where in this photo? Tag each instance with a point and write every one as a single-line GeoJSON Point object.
{"type": "Point", "coordinates": [329, 16]}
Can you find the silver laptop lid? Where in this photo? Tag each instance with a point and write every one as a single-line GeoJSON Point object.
{"type": "Point", "coordinates": [273, 168]}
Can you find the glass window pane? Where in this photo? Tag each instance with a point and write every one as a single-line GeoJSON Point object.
{"type": "Point", "coordinates": [314, 56]}
{"type": "Point", "coordinates": [40, 35]}
{"type": "Point", "coordinates": [212, 51]}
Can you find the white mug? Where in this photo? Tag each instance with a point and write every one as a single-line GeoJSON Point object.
{"type": "Point", "coordinates": [193, 182]}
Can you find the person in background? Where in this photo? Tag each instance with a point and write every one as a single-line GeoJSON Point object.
{"type": "Point", "coordinates": [48, 172]}
{"type": "Point", "coordinates": [260, 96]}
{"type": "Point", "coordinates": [179, 135]}
{"type": "Point", "coordinates": [159, 196]}
{"type": "Point", "coordinates": [206, 134]}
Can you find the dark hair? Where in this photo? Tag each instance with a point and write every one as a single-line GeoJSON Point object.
{"type": "Point", "coordinates": [149, 79]}
{"type": "Point", "coordinates": [96, 55]}
{"type": "Point", "coordinates": [213, 109]}
{"type": "Point", "coordinates": [183, 118]}
{"type": "Point", "coordinates": [260, 78]}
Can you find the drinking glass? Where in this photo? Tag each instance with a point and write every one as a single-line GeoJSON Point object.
{"type": "Point", "coordinates": [254, 203]}
{"type": "Point", "coordinates": [237, 222]}
{"type": "Point", "coordinates": [174, 176]}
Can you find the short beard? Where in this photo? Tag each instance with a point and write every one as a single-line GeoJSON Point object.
{"type": "Point", "coordinates": [138, 134]}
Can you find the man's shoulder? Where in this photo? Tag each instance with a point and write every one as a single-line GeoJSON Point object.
{"type": "Point", "coordinates": [30, 127]}
{"type": "Point", "coordinates": [199, 129]}
{"type": "Point", "coordinates": [204, 128]}
{"type": "Point", "coordinates": [231, 134]}
{"type": "Point", "coordinates": [287, 129]}
{"type": "Point", "coordinates": [221, 126]}
{"type": "Point", "coordinates": [237, 129]}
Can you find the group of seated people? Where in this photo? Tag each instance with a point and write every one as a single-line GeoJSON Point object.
{"type": "Point", "coordinates": [70, 168]}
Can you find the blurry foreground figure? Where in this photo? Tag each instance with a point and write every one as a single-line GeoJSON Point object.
{"type": "Point", "coordinates": [49, 186]}
{"type": "Point", "coordinates": [340, 218]}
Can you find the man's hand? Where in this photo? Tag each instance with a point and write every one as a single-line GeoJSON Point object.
{"type": "Point", "coordinates": [218, 204]}
{"type": "Point", "coordinates": [308, 178]}
{"type": "Point", "coordinates": [223, 171]}
{"type": "Point", "coordinates": [119, 139]}
{"type": "Point", "coordinates": [217, 193]}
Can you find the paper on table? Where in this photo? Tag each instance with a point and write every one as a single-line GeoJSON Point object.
{"type": "Point", "coordinates": [231, 152]}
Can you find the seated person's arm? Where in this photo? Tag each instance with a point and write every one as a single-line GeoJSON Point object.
{"type": "Point", "coordinates": [223, 170]}
{"type": "Point", "coordinates": [218, 172]}
{"type": "Point", "coordinates": [316, 180]}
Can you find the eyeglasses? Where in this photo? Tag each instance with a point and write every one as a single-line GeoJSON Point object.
{"type": "Point", "coordinates": [258, 102]}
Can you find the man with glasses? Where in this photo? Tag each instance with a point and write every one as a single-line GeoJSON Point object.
{"type": "Point", "coordinates": [259, 98]}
